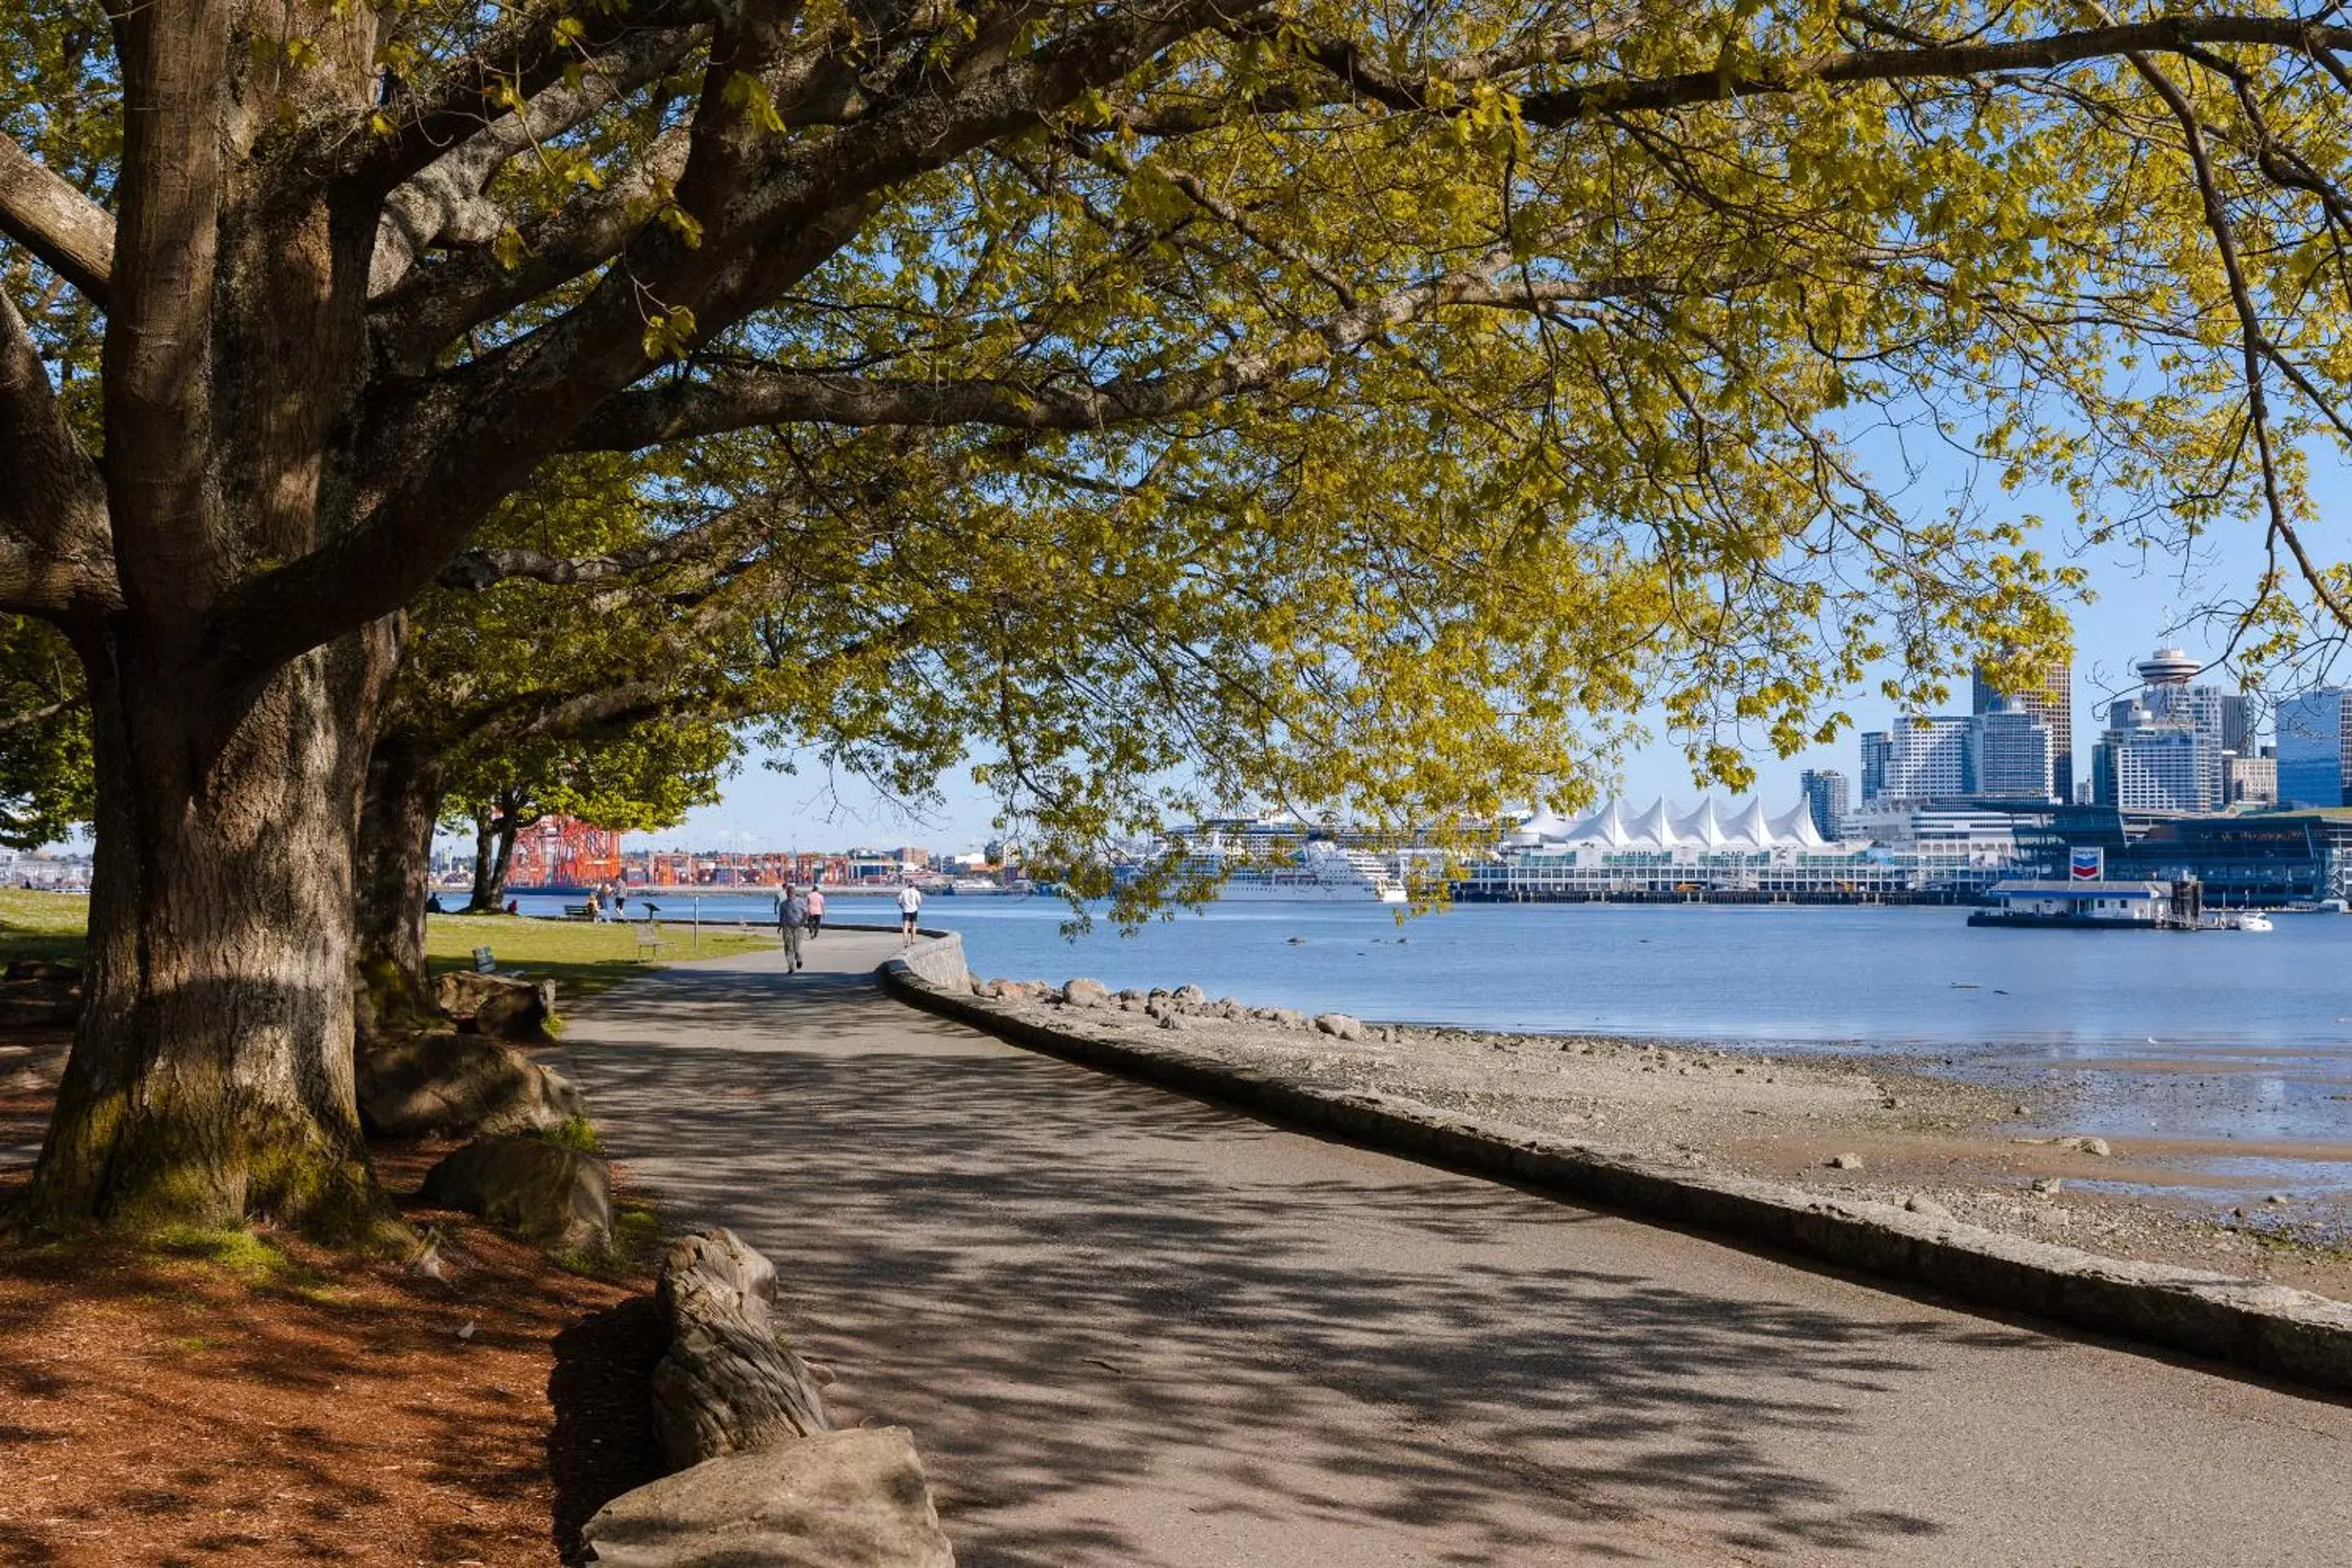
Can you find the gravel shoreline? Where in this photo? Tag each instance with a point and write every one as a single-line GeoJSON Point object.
{"type": "Point", "coordinates": [1893, 1129]}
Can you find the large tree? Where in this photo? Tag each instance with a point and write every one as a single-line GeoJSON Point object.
{"type": "Point", "coordinates": [1365, 397]}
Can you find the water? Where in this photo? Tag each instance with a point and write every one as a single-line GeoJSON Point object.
{"type": "Point", "coordinates": [2211, 1035]}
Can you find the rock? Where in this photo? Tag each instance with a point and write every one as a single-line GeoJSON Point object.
{"type": "Point", "coordinates": [1290, 1017]}
{"type": "Point", "coordinates": [2098, 1146]}
{"type": "Point", "coordinates": [2277, 1198]}
{"type": "Point", "coordinates": [2047, 1185]}
{"type": "Point", "coordinates": [552, 1197]}
{"type": "Point", "coordinates": [839, 1499]}
{"type": "Point", "coordinates": [502, 1007]}
{"type": "Point", "coordinates": [37, 1004]}
{"type": "Point", "coordinates": [1294, 942]}
{"type": "Point", "coordinates": [459, 1085]}
{"type": "Point", "coordinates": [984, 988]}
{"type": "Point", "coordinates": [1844, 1163]}
{"type": "Point", "coordinates": [1188, 996]}
{"type": "Point", "coordinates": [1340, 1025]}
{"type": "Point", "coordinates": [1174, 1021]}
{"type": "Point", "coordinates": [1130, 994]}
{"type": "Point", "coordinates": [1086, 993]}
{"type": "Point", "coordinates": [1928, 1208]}
{"type": "Point", "coordinates": [729, 1384]}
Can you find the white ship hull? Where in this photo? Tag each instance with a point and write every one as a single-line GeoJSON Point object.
{"type": "Point", "coordinates": [1241, 892]}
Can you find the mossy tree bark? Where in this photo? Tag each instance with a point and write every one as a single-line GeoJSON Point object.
{"type": "Point", "coordinates": [211, 1076]}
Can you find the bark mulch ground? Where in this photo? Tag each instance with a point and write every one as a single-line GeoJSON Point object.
{"type": "Point", "coordinates": [224, 1399]}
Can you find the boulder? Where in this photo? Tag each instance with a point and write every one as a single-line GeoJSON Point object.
{"type": "Point", "coordinates": [459, 1085]}
{"type": "Point", "coordinates": [1188, 996]}
{"type": "Point", "coordinates": [1340, 1025]}
{"type": "Point", "coordinates": [729, 1384]}
{"type": "Point", "coordinates": [33, 1003]}
{"type": "Point", "coordinates": [856, 1499]}
{"type": "Point", "coordinates": [1085, 994]}
{"type": "Point", "coordinates": [503, 1006]}
{"type": "Point", "coordinates": [1844, 1163]}
{"type": "Point", "coordinates": [551, 1196]}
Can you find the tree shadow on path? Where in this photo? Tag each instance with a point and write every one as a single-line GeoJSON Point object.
{"type": "Point", "coordinates": [1099, 1305]}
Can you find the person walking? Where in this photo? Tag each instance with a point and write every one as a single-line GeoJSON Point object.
{"type": "Point", "coordinates": [791, 925]}
{"type": "Point", "coordinates": [816, 911]}
{"type": "Point", "coordinates": [910, 904]}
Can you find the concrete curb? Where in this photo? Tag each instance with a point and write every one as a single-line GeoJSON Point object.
{"type": "Point", "coordinates": [2271, 1329]}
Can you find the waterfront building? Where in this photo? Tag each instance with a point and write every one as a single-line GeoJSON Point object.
{"type": "Point", "coordinates": [2010, 754]}
{"type": "Point", "coordinates": [1918, 759]}
{"type": "Point", "coordinates": [1825, 799]}
{"type": "Point", "coordinates": [1954, 845]}
{"type": "Point", "coordinates": [2266, 859]}
{"type": "Point", "coordinates": [2314, 748]}
{"type": "Point", "coordinates": [1740, 851]}
{"type": "Point", "coordinates": [2250, 780]}
{"type": "Point", "coordinates": [2054, 706]}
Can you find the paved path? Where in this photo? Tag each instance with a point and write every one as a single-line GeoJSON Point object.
{"type": "Point", "coordinates": [1132, 1330]}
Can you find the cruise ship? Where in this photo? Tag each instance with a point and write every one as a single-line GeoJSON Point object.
{"type": "Point", "coordinates": [1271, 858]}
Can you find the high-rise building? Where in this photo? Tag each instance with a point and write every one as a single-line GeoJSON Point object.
{"type": "Point", "coordinates": [2237, 724]}
{"type": "Point", "coordinates": [2314, 747]}
{"type": "Point", "coordinates": [1918, 759]}
{"type": "Point", "coordinates": [1826, 801]}
{"type": "Point", "coordinates": [2147, 760]}
{"type": "Point", "coordinates": [2253, 781]}
{"type": "Point", "coordinates": [2054, 706]}
{"type": "Point", "coordinates": [2010, 752]}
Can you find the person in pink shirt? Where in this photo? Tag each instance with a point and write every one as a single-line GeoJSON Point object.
{"type": "Point", "coordinates": [816, 910]}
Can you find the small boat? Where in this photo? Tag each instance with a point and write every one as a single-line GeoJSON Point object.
{"type": "Point", "coordinates": [2255, 923]}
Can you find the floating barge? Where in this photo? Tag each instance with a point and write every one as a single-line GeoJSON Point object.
{"type": "Point", "coordinates": [2080, 903]}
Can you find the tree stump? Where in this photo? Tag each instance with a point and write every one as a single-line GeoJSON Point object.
{"type": "Point", "coordinates": [730, 1384]}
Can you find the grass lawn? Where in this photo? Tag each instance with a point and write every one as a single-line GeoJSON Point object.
{"type": "Point", "coordinates": [582, 958]}
{"type": "Point", "coordinates": [42, 925]}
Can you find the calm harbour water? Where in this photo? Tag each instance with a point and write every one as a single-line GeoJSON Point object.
{"type": "Point", "coordinates": [2207, 1035]}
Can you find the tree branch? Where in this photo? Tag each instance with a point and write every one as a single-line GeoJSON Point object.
{"type": "Point", "coordinates": [463, 438]}
{"type": "Point", "coordinates": [516, 63]}
{"type": "Point", "coordinates": [684, 409]}
{"type": "Point", "coordinates": [54, 543]}
{"type": "Point", "coordinates": [483, 567]}
{"type": "Point", "coordinates": [442, 200]}
{"type": "Point", "coordinates": [40, 210]}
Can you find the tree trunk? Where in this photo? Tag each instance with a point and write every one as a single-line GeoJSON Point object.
{"type": "Point", "coordinates": [497, 825]}
{"type": "Point", "coordinates": [210, 1078]}
{"type": "Point", "coordinates": [401, 809]}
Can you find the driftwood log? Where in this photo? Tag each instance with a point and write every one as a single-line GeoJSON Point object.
{"type": "Point", "coordinates": [730, 1384]}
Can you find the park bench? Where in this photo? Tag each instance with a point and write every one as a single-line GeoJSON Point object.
{"type": "Point", "coordinates": [575, 911]}
{"type": "Point", "coordinates": [650, 939]}
{"type": "Point", "coordinates": [483, 962]}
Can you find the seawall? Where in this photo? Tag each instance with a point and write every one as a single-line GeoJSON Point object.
{"type": "Point", "coordinates": [2269, 1328]}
